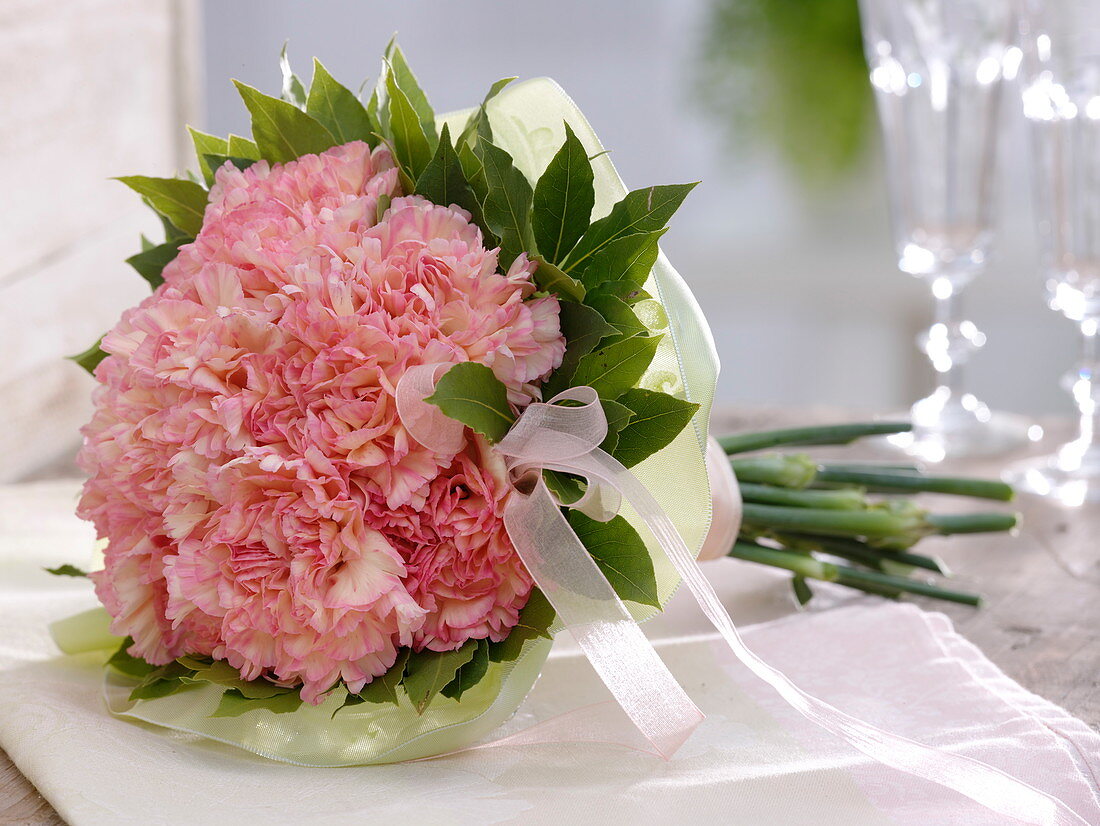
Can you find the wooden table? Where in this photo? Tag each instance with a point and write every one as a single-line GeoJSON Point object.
{"type": "Point", "coordinates": [1040, 623]}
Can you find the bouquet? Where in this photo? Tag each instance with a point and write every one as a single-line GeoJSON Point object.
{"type": "Point", "coordinates": [411, 394]}
{"type": "Point", "coordinates": [305, 458]}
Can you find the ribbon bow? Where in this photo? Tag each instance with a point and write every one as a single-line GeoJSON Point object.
{"type": "Point", "coordinates": [550, 436]}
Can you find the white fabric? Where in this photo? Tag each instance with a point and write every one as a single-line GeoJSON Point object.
{"type": "Point", "coordinates": [753, 761]}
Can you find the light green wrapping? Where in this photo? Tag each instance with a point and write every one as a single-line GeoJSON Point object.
{"type": "Point", "coordinates": [527, 120]}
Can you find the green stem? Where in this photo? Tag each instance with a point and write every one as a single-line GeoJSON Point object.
{"type": "Point", "coordinates": [895, 526]}
{"type": "Point", "coordinates": [876, 590]}
{"type": "Point", "coordinates": [823, 435]}
{"type": "Point", "coordinates": [840, 499]}
{"type": "Point", "coordinates": [795, 470]}
{"type": "Point", "coordinates": [872, 524]}
{"type": "Point", "coordinates": [876, 467]}
{"type": "Point", "coordinates": [879, 480]}
{"type": "Point", "coordinates": [812, 568]}
{"type": "Point", "coordinates": [861, 552]}
{"type": "Point", "coordinates": [867, 558]}
{"type": "Point", "coordinates": [951, 523]}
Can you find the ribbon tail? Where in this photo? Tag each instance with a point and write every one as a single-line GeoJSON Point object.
{"type": "Point", "coordinates": [609, 637]}
{"type": "Point", "coordinates": [979, 781]}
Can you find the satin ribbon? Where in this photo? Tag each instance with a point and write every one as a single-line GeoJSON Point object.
{"type": "Point", "coordinates": [551, 436]}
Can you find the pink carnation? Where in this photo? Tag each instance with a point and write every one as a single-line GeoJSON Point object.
{"type": "Point", "coordinates": [461, 564]}
{"type": "Point", "coordinates": [262, 501]}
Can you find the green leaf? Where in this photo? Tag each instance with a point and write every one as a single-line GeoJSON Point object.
{"type": "Point", "coordinates": [643, 210]}
{"type": "Point", "coordinates": [469, 674]}
{"type": "Point", "coordinates": [383, 204]}
{"type": "Point", "coordinates": [293, 91]}
{"type": "Point", "coordinates": [383, 689]}
{"type": "Point", "coordinates": [406, 81]}
{"type": "Point", "coordinates": [507, 203]}
{"type": "Point", "coordinates": [618, 416]}
{"type": "Point", "coordinates": [161, 682]}
{"type": "Point", "coordinates": [66, 570]}
{"type": "Point", "coordinates": [470, 393]}
{"type": "Point", "coordinates": [207, 145]}
{"type": "Point", "coordinates": [243, 148]}
{"type": "Point", "coordinates": [658, 419]}
{"type": "Point", "coordinates": [474, 171]}
{"type": "Point", "coordinates": [552, 280]}
{"type": "Point", "coordinates": [171, 231]}
{"type": "Point", "coordinates": [411, 146]}
{"type": "Point", "coordinates": [534, 621]}
{"type": "Point", "coordinates": [802, 591]}
{"type": "Point", "coordinates": [583, 328]}
{"type": "Point", "coordinates": [625, 290]}
{"type": "Point", "coordinates": [627, 259]}
{"type": "Point", "coordinates": [563, 200]}
{"type": "Point", "coordinates": [155, 688]}
{"type": "Point", "coordinates": [617, 313]}
{"type": "Point", "coordinates": [621, 555]}
{"type": "Point", "coordinates": [376, 110]}
{"type": "Point", "coordinates": [443, 182]}
{"type": "Point", "coordinates": [282, 131]}
{"type": "Point", "coordinates": [427, 672]}
{"type": "Point", "coordinates": [126, 663]}
{"type": "Point", "coordinates": [337, 108]}
{"type": "Point", "coordinates": [614, 369]}
{"type": "Point", "coordinates": [234, 704]}
{"type": "Point", "coordinates": [218, 161]}
{"type": "Point", "coordinates": [151, 262]}
{"type": "Point", "coordinates": [222, 673]}
{"type": "Point", "coordinates": [91, 357]}
{"type": "Point", "coordinates": [181, 202]}
{"type": "Point", "coordinates": [565, 486]}
{"type": "Point", "coordinates": [350, 701]}
{"type": "Point", "coordinates": [478, 122]}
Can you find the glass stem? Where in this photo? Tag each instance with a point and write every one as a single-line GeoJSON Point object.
{"type": "Point", "coordinates": [944, 345]}
{"type": "Point", "coordinates": [1085, 390]}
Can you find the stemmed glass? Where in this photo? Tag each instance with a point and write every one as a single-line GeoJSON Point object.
{"type": "Point", "coordinates": [1060, 82]}
{"type": "Point", "coordinates": [937, 68]}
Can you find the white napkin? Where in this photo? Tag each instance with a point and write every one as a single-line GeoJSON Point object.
{"type": "Point", "coordinates": [753, 761]}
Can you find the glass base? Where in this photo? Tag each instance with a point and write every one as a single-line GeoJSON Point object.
{"type": "Point", "coordinates": [1070, 477]}
{"type": "Point", "coordinates": [946, 427]}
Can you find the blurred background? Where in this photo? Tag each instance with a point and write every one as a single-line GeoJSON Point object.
{"type": "Point", "coordinates": [786, 243]}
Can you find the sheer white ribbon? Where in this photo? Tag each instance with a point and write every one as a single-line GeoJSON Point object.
{"type": "Point", "coordinates": [550, 436]}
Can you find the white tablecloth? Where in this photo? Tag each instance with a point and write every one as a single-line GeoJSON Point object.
{"type": "Point", "coordinates": [753, 761]}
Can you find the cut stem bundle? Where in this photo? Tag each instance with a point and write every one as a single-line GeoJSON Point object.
{"type": "Point", "coordinates": [823, 521]}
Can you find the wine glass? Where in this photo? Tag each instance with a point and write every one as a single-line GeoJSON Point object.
{"type": "Point", "coordinates": [1060, 83]}
{"type": "Point", "coordinates": [937, 68]}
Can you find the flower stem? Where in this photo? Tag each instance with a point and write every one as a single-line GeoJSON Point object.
{"type": "Point", "coordinates": [795, 470]}
{"type": "Point", "coordinates": [870, 524]}
{"type": "Point", "coordinates": [861, 552]}
{"type": "Point", "coordinates": [839, 499]}
{"type": "Point", "coordinates": [893, 525]}
{"type": "Point", "coordinates": [951, 523]}
{"type": "Point", "coordinates": [906, 481]}
{"type": "Point", "coordinates": [810, 567]}
{"type": "Point", "coordinates": [876, 467]}
{"type": "Point", "coordinates": [824, 435]}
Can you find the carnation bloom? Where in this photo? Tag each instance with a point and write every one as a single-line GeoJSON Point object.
{"type": "Point", "coordinates": [262, 500]}
{"type": "Point", "coordinates": [461, 565]}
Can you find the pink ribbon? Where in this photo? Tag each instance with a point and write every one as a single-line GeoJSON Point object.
{"type": "Point", "coordinates": [550, 436]}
